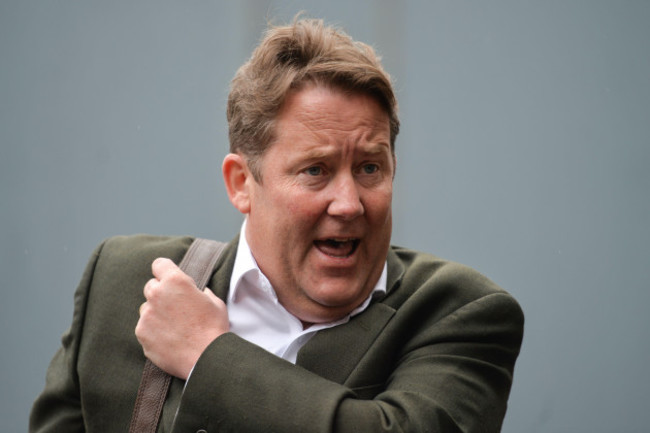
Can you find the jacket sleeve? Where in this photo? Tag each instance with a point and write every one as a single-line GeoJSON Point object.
{"type": "Point", "coordinates": [58, 407]}
{"type": "Point", "coordinates": [453, 375]}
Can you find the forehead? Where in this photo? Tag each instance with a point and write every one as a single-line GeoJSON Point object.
{"type": "Point", "coordinates": [318, 114]}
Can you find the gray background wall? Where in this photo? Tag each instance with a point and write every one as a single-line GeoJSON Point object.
{"type": "Point", "coordinates": [524, 153]}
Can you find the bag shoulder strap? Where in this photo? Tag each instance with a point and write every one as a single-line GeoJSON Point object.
{"type": "Point", "coordinates": [198, 262]}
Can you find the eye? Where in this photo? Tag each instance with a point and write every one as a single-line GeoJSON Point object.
{"type": "Point", "coordinates": [314, 171]}
{"type": "Point", "coordinates": [370, 168]}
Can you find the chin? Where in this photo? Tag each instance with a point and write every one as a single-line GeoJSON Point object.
{"type": "Point", "coordinates": [339, 304]}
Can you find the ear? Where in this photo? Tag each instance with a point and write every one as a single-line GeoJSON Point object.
{"type": "Point", "coordinates": [237, 178]}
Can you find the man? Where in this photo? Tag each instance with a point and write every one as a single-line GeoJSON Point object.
{"type": "Point", "coordinates": [314, 322]}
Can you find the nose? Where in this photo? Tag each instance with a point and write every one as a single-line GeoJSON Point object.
{"type": "Point", "coordinates": [346, 200]}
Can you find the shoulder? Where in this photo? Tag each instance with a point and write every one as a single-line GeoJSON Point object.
{"type": "Point", "coordinates": [121, 257]}
{"type": "Point", "coordinates": [145, 242]}
{"type": "Point", "coordinates": [143, 247]}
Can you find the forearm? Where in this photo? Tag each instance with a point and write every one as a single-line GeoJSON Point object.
{"type": "Point", "coordinates": [240, 386]}
{"type": "Point", "coordinates": [454, 377]}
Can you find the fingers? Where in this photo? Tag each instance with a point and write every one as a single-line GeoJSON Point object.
{"type": "Point", "coordinates": [167, 275]}
{"type": "Point", "coordinates": [150, 289]}
{"type": "Point", "coordinates": [162, 267]}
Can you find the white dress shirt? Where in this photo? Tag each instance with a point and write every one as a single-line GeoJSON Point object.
{"type": "Point", "coordinates": [256, 315]}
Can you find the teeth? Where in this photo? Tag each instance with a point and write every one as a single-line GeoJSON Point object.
{"type": "Point", "coordinates": [337, 247]}
{"type": "Point", "coordinates": [339, 241]}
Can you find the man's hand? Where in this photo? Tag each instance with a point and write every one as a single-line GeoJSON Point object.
{"type": "Point", "coordinates": [177, 322]}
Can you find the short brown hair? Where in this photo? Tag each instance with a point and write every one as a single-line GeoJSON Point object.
{"type": "Point", "coordinates": [306, 51]}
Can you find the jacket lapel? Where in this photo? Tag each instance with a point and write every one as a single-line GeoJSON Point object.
{"type": "Point", "coordinates": [333, 353]}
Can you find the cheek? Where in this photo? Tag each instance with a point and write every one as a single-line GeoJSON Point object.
{"type": "Point", "coordinates": [305, 208]}
{"type": "Point", "coordinates": [378, 206]}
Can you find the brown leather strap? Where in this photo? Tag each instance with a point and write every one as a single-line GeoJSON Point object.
{"type": "Point", "coordinates": [198, 262]}
{"type": "Point", "coordinates": [200, 259]}
{"type": "Point", "coordinates": [151, 396]}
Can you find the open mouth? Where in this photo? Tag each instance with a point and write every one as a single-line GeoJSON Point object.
{"type": "Point", "coordinates": [339, 248]}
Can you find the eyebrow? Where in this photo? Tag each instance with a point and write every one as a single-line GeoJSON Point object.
{"type": "Point", "coordinates": [377, 147]}
{"type": "Point", "coordinates": [372, 149]}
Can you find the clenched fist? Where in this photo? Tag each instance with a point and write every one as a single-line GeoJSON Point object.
{"type": "Point", "coordinates": [177, 322]}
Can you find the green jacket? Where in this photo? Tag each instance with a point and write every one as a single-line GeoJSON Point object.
{"type": "Point", "coordinates": [435, 354]}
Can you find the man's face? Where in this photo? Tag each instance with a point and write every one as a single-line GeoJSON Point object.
{"type": "Point", "coordinates": [319, 223]}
